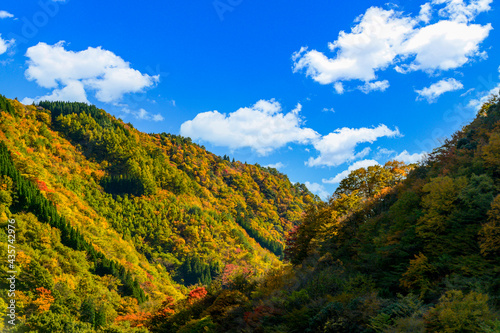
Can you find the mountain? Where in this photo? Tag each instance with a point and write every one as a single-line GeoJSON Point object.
{"type": "Point", "coordinates": [120, 231]}
{"type": "Point", "coordinates": [396, 249]}
{"type": "Point", "coordinates": [105, 223]}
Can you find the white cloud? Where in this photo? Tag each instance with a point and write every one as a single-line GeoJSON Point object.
{"type": "Point", "coordinates": [374, 86]}
{"type": "Point", "coordinates": [410, 158]}
{"type": "Point", "coordinates": [467, 92]}
{"type": "Point", "coordinates": [425, 14]}
{"type": "Point", "coordinates": [339, 88]}
{"type": "Point", "coordinates": [483, 97]}
{"type": "Point", "coordinates": [362, 154]}
{"type": "Point", "coordinates": [317, 189]}
{"type": "Point", "coordinates": [4, 14]}
{"type": "Point", "coordinates": [387, 38]}
{"type": "Point", "coordinates": [444, 45]}
{"type": "Point", "coordinates": [432, 93]}
{"type": "Point", "coordinates": [157, 117]}
{"type": "Point", "coordinates": [328, 110]}
{"type": "Point", "coordinates": [142, 114]}
{"type": "Point", "coordinates": [94, 69]}
{"type": "Point", "coordinates": [339, 146]}
{"type": "Point", "coordinates": [277, 166]}
{"type": "Point", "coordinates": [5, 44]}
{"type": "Point", "coordinates": [262, 127]}
{"type": "Point", "coordinates": [74, 91]}
{"type": "Point", "coordinates": [385, 151]}
{"type": "Point", "coordinates": [27, 101]}
{"type": "Point", "coordinates": [357, 165]}
{"type": "Point", "coordinates": [370, 46]}
{"type": "Point", "coordinates": [458, 11]}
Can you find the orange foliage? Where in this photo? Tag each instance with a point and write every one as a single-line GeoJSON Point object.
{"type": "Point", "coordinates": [135, 319]}
{"type": "Point", "coordinates": [44, 300]}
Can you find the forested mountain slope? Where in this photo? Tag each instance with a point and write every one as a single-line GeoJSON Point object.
{"type": "Point", "coordinates": [113, 225]}
{"type": "Point", "coordinates": [111, 222]}
{"type": "Point", "coordinates": [389, 252]}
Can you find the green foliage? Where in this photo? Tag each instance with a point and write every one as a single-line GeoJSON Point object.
{"type": "Point", "coordinates": [430, 233]}
{"type": "Point", "coordinates": [49, 322]}
{"type": "Point", "coordinates": [109, 215]}
{"type": "Point", "coordinates": [88, 312]}
{"type": "Point", "coordinates": [123, 184]}
{"type": "Point", "coordinates": [490, 231]}
{"type": "Point", "coordinates": [199, 326]}
{"type": "Point", "coordinates": [6, 106]}
{"type": "Point", "coordinates": [29, 198]}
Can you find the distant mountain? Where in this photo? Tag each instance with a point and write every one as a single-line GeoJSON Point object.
{"type": "Point", "coordinates": [110, 222]}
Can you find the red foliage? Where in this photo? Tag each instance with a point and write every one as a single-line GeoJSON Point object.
{"type": "Point", "coordinates": [197, 294]}
{"type": "Point", "coordinates": [41, 185]}
{"type": "Point", "coordinates": [232, 271]}
{"type": "Point", "coordinates": [164, 312]}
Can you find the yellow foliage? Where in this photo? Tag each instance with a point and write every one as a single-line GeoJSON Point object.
{"type": "Point", "coordinates": [490, 231]}
{"type": "Point", "coordinates": [457, 312]}
{"type": "Point", "coordinates": [417, 275]}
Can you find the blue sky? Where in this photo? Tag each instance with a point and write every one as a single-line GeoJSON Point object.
{"type": "Point", "coordinates": [313, 88]}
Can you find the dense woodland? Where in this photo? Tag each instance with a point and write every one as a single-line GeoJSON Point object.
{"type": "Point", "coordinates": [111, 222]}
{"type": "Point", "coordinates": [121, 231]}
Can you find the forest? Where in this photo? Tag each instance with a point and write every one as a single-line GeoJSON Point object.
{"type": "Point", "coordinates": [123, 231]}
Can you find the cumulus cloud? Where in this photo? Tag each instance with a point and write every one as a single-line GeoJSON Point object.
{"type": "Point", "coordinates": [408, 158]}
{"type": "Point", "coordinates": [370, 46]}
{"type": "Point", "coordinates": [317, 189]}
{"type": "Point", "coordinates": [4, 14]}
{"type": "Point", "coordinates": [72, 75]}
{"type": "Point", "coordinates": [383, 39]}
{"type": "Point", "coordinates": [5, 44]}
{"type": "Point", "coordinates": [357, 165]}
{"type": "Point", "coordinates": [444, 45]}
{"type": "Point", "coordinates": [262, 127]}
{"type": "Point", "coordinates": [432, 93]}
{"type": "Point", "coordinates": [339, 146]}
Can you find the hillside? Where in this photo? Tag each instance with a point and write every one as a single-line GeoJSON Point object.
{"type": "Point", "coordinates": [121, 231]}
{"type": "Point", "coordinates": [390, 252]}
{"type": "Point", "coordinates": [110, 222]}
